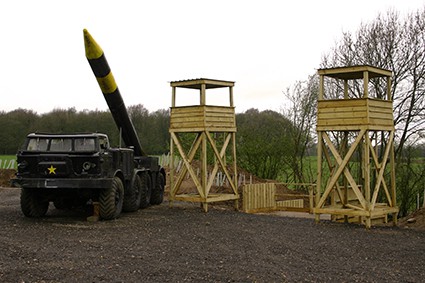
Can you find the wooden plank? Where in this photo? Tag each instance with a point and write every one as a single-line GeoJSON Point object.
{"type": "Point", "coordinates": [212, 126]}
{"type": "Point", "coordinates": [383, 122]}
{"type": "Point", "coordinates": [294, 209]}
{"type": "Point", "coordinates": [341, 115]}
{"type": "Point", "coordinates": [384, 210]}
{"type": "Point", "coordinates": [341, 122]}
{"type": "Point", "coordinates": [380, 103]}
{"type": "Point", "coordinates": [378, 108]}
{"type": "Point", "coordinates": [382, 116]}
{"type": "Point", "coordinates": [299, 203]}
{"type": "Point", "coordinates": [343, 109]}
{"type": "Point", "coordinates": [202, 129]}
{"type": "Point", "coordinates": [186, 109]}
{"type": "Point", "coordinates": [341, 211]}
{"type": "Point", "coordinates": [341, 103]}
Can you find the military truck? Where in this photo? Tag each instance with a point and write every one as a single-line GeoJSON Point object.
{"type": "Point", "coordinates": [76, 169]}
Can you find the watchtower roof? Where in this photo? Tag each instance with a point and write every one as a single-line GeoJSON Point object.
{"type": "Point", "coordinates": [354, 72]}
{"type": "Point", "coordinates": [197, 83]}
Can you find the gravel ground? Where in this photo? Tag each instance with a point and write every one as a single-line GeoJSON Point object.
{"type": "Point", "coordinates": [163, 244]}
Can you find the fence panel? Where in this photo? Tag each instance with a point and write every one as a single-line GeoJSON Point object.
{"type": "Point", "coordinates": [259, 197]}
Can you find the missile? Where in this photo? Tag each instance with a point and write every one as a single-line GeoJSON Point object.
{"type": "Point", "coordinates": [105, 79]}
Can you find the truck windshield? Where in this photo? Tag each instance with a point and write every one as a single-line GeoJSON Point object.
{"type": "Point", "coordinates": [61, 144]}
{"type": "Point", "coordinates": [85, 144]}
{"type": "Point", "coordinates": [38, 144]}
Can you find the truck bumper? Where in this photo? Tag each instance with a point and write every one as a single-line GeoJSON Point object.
{"type": "Point", "coordinates": [43, 183]}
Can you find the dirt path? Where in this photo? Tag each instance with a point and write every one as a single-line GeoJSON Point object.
{"type": "Point", "coordinates": [162, 244]}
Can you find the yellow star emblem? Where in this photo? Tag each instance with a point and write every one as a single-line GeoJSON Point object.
{"type": "Point", "coordinates": [52, 170]}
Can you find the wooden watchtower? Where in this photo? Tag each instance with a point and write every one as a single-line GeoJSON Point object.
{"type": "Point", "coordinates": [204, 124]}
{"type": "Point", "coordinates": [355, 151]}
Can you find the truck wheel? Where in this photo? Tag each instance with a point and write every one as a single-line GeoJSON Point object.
{"type": "Point", "coordinates": [111, 200]}
{"type": "Point", "coordinates": [133, 196]}
{"type": "Point", "coordinates": [33, 204]}
{"type": "Point", "coordinates": [158, 191]}
{"type": "Point", "coordinates": [146, 190]}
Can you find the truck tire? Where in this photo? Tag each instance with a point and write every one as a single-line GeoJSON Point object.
{"type": "Point", "coordinates": [158, 192]}
{"type": "Point", "coordinates": [33, 204]}
{"type": "Point", "coordinates": [146, 190]}
{"type": "Point", "coordinates": [133, 196]}
{"type": "Point", "coordinates": [111, 200]}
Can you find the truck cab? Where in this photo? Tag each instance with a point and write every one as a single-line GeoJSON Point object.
{"type": "Point", "coordinates": [75, 169]}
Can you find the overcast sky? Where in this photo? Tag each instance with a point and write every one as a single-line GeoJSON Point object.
{"type": "Point", "coordinates": [264, 46]}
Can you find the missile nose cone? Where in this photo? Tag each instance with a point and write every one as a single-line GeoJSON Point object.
{"type": "Point", "coordinates": [93, 50]}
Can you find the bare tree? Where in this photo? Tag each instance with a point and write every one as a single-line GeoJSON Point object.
{"type": "Point", "coordinates": [301, 111]}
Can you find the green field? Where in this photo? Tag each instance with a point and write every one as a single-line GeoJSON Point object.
{"type": "Point", "coordinates": [8, 162]}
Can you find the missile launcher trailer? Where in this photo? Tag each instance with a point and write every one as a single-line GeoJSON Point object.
{"type": "Point", "coordinates": [75, 169]}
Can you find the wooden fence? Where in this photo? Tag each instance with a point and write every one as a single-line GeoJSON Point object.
{"type": "Point", "coordinates": [263, 198]}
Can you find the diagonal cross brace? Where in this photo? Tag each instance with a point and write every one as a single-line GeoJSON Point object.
{"type": "Point", "coordinates": [187, 159]}
{"type": "Point", "coordinates": [342, 168]}
{"type": "Point", "coordinates": [220, 160]}
{"type": "Point", "coordinates": [380, 178]}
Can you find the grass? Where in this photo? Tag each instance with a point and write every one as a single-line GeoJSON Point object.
{"type": "Point", "coordinates": [8, 162]}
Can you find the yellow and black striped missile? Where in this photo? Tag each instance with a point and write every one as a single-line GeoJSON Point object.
{"type": "Point", "coordinates": [106, 81]}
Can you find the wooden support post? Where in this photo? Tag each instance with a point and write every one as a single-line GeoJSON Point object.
{"type": "Point", "coordinates": [345, 89]}
{"type": "Point", "coordinates": [393, 182]}
{"type": "Point", "coordinates": [366, 148]}
{"type": "Point", "coordinates": [365, 84]}
{"type": "Point", "coordinates": [231, 96]}
{"type": "Point", "coordinates": [389, 88]}
{"type": "Point", "coordinates": [235, 170]}
{"type": "Point", "coordinates": [203, 99]}
{"type": "Point", "coordinates": [204, 169]}
{"type": "Point", "coordinates": [319, 174]}
{"type": "Point", "coordinates": [171, 181]}
{"type": "Point", "coordinates": [173, 97]}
